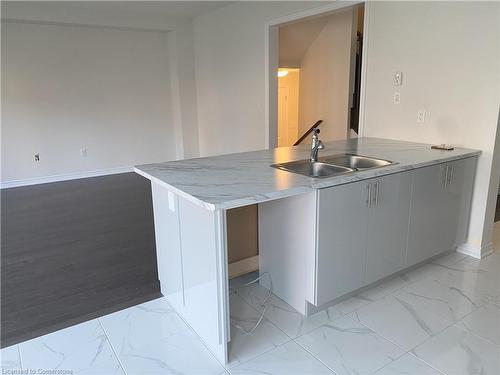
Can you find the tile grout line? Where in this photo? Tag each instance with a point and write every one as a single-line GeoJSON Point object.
{"type": "Point", "coordinates": [265, 318]}
{"type": "Point", "coordinates": [190, 329]}
{"type": "Point", "coordinates": [468, 331]}
{"type": "Point", "coordinates": [390, 293]}
{"type": "Point", "coordinates": [393, 294]}
{"type": "Point", "coordinates": [430, 338]}
{"type": "Point", "coordinates": [112, 347]}
{"type": "Point", "coordinates": [418, 359]}
{"type": "Point", "coordinates": [312, 355]}
{"type": "Point", "coordinates": [473, 303]}
{"type": "Point", "coordinates": [405, 351]}
{"type": "Point", "coordinates": [258, 355]}
{"type": "Point", "coordinates": [449, 324]}
{"type": "Point", "coordinates": [424, 361]}
{"type": "Point", "coordinates": [390, 363]}
{"type": "Point", "coordinates": [410, 352]}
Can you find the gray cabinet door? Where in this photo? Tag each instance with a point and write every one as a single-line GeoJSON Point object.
{"type": "Point", "coordinates": [440, 208]}
{"type": "Point", "coordinates": [429, 230]}
{"type": "Point", "coordinates": [460, 188]}
{"type": "Point", "coordinates": [341, 240]}
{"type": "Point", "coordinates": [388, 226]}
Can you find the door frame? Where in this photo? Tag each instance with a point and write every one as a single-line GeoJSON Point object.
{"type": "Point", "coordinates": [271, 64]}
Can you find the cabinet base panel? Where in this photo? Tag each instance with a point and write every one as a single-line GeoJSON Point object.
{"type": "Point", "coordinates": [312, 309]}
{"type": "Point", "coordinates": [243, 266]}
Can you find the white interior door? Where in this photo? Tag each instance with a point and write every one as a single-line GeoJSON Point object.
{"type": "Point", "coordinates": [283, 94]}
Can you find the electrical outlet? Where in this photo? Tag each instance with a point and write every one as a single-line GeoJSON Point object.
{"type": "Point", "coordinates": [398, 78]}
{"type": "Point", "coordinates": [421, 115]}
{"type": "Point", "coordinates": [37, 157]}
{"type": "Point", "coordinates": [83, 152]}
{"type": "Point", "coordinates": [397, 98]}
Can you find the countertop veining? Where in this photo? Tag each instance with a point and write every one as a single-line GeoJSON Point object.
{"type": "Point", "coordinates": [234, 180]}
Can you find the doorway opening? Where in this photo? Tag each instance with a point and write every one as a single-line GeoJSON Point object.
{"type": "Point", "coordinates": [316, 65]}
{"type": "Point", "coordinates": [288, 106]}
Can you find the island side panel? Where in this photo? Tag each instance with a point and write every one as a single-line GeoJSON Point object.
{"type": "Point", "coordinates": [168, 246]}
{"type": "Point", "coordinates": [197, 257]}
{"type": "Point", "coordinates": [287, 238]}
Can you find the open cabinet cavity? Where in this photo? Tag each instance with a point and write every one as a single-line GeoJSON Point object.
{"type": "Point", "coordinates": [283, 229]}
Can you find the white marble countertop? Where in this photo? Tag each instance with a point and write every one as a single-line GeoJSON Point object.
{"type": "Point", "coordinates": [234, 180]}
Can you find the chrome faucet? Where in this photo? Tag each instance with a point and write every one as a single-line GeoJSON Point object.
{"type": "Point", "coordinates": [316, 145]}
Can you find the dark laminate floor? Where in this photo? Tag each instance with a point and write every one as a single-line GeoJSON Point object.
{"type": "Point", "coordinates": [74, 250]}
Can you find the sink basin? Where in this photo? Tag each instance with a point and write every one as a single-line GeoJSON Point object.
{"type": "Point", "coordinates": [334, 165]}
{"type": "Point", "coordinates": [356, 162]}
{"type": "Point", "coordinates": [313, 169]}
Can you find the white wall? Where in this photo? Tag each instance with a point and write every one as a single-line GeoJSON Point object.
{"type": "Point", "coordinates": [183, 84]}
{"type": "Point", "coordinates": [324, 78]}
{"type": "Point", "coordinates": [230, 74]}
{"type": "Point", "coordinates": [450, 59]}
{"type": "Point", "coordinates": [65, 88]}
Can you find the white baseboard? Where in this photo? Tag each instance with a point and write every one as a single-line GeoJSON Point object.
{"type": "Point", "coordinates": [64, 177]}
{"type": "Point", "coordinates": [477, 252]}
{"type": "Point", "coordinates": [243, 266]}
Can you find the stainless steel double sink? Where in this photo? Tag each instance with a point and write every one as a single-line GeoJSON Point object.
{"type": "Point", "coordinates": [334, 165]}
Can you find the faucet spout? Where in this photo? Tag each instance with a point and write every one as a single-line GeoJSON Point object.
{"type": "Point", "coordinates": [316, 145]}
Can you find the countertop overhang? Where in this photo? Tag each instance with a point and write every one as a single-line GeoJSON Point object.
{"type": "Point", "coordinates": [235, 180]}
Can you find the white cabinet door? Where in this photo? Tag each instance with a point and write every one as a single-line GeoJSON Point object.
{"type": "Point", "coordinates": [341, 240]}
{"type": "Point", "coordinates": [168, 246]}
{"type": "Point", "coordinates": [192, 265]}
{"type": "Point", "coordinates": [204, 275]}
{"type": "Point", "coordinates": [388, 226]}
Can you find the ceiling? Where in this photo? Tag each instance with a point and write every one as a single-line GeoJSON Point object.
{"type": "Point", "coordinates": [167, 9]}
{"type": "Point", "coordinates": [295, 39]}
{"type": "Point", "coordinates": [159, 15]}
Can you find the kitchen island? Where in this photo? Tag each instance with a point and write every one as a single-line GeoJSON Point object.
{"type": "Point", "coordinates": [320, 239]}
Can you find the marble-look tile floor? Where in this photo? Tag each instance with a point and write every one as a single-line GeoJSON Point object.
{"type": "Point", "coordinates": [441, 318]}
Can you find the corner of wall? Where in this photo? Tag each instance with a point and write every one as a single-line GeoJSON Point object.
{"type": "Point", "coordinates": [184, 100]}
{"type": "Point", "coordinates": [477, 252]}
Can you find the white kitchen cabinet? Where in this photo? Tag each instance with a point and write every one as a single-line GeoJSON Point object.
{"type": "Point", "coordinates": [318, 245]}
{"type": "Point", "coordinates": [440, 208]}
{"type": "Point", "coordinates": [341, 240]}
{"type": "Point", "coordinates": [388, 226]}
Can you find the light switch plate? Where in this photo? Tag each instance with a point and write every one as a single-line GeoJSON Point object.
{"type": "Point", "coordinates": [421, 115]}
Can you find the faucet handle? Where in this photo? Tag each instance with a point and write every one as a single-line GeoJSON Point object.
{"type": "Point", "coordinates": [321, 146]}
